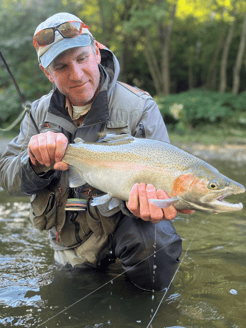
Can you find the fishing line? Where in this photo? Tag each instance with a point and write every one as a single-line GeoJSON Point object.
{"type": "Point", "coordinates": [28, 126]}
{"type": "Point", "coordinates": [26, 104]}
{"type": "Point", "coordinates": [81, 299]}
{"type": "Point", "coordinates": [166, 290]}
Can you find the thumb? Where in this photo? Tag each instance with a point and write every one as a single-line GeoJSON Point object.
{"type": "Point", "coordinates": [61, 166]}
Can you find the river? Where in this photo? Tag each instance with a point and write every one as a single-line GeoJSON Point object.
{"type": "Point", "coordinates": [208, 290]}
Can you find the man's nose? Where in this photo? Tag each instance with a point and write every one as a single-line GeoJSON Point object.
{"type": "Point", "coordinates": [76, 73]}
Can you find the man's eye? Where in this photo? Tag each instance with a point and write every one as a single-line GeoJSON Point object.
{"type": "Point", "coordinates": [60, 68]}
{"type": "Point", "coordinates": [82, 59]}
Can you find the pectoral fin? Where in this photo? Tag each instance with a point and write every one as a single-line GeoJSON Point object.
{"type": "Point", "coordinates": [100, 200]}
{"type": "Point", "coordinates": [115, 202]}
{"type": "Point", "coordinates": [164, 203]}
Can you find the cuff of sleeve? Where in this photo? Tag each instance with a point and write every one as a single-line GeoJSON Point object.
{"type": "Point", "coordinates": [125, 210]}
{"type": "Point", "coordinates": [30, 180]}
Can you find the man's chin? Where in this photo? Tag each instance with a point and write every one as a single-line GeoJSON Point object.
{"type": "Point", "coordinates": [82, 97]}
{"type": "Point", "coordinates": [83, 101]}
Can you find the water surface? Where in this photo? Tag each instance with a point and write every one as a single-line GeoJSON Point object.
{"type": "Point", "coordinates": [209, 289]}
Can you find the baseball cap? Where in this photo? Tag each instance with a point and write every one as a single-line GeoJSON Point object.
{"type": "Point", "coordinates": [48, 53]}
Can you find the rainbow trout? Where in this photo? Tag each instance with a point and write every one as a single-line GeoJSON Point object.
{"type": "Point", "coordinates": [116, 162]}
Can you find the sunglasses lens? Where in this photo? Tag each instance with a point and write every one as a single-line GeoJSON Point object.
{"type": "Point", "coordinates": [70, 29]}
{"type": "Point", "coordinates": [45, 37]}
{"type": "Point", "coordinates": [67, 30]}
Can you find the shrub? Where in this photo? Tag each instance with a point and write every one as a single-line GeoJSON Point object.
{"type": "Point", "coordinates": [195, 107]}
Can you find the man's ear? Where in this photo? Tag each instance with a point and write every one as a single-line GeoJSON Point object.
{"type": "Point", "coordinates": [98, 54]}
{"type": "Point", "coordinates": [46, 73]}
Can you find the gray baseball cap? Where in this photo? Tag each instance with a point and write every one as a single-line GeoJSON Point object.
{"type": "Point", "coordinates": [46, 54]}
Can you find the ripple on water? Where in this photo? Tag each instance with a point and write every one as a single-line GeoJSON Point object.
{"type": "Point", "coordinates": [23, 265]}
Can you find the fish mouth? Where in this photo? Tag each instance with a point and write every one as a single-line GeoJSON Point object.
{"type": "Point", "coordinates": [212, 203]}
{"type": "Point", "coordinates": [215, 201]}
{"type": "Point", "coordinates": [220, 205]}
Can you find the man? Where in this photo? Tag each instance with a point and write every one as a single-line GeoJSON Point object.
{"type": "Point", "coordinates": [88, 99]}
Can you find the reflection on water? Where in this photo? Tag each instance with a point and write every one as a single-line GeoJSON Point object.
{"type": "Point", "coordinates": [209, 289]}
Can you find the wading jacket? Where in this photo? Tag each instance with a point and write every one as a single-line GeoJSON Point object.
{"type": "Point", "coordinates": [118, 108]}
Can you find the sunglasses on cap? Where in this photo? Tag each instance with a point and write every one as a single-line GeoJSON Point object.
{"type": "Point", "coordinates": [69, 29]}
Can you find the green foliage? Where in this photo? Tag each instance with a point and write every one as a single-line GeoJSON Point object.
{"type": "Point", "coordinates": [198, 107]}
{"type": "Point", "coordinates": [146, 17]}
{"type": "Point", "coordinates": [122, 25]}
{"type": "Point", "coordinates": [18, 21]}
{"type": "Point", "coordinates": [10, 107]}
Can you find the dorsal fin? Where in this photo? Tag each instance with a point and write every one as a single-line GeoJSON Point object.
{"type": "Point", "coordinates": [116, 138]}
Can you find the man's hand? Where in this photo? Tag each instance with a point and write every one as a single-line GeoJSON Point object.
{"type": "Point", "coordinates": [48, 148]}
{"type": "Point", "coordinates": [139, 204]}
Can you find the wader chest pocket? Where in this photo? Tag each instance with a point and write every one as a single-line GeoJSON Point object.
{"type": "Point", "coordinates": [43, 210]}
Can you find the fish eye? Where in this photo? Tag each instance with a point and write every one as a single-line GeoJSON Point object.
{"type": "Point", "coordinates": [213, 185]}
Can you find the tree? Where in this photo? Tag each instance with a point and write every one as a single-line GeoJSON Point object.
{"type": "Point", "coordinates": [239, 60]}
{"type": "Point", "coordinates": [212, 71]}
{"type": "Point", "coordinates": [223, 65]}
{"type": "Point", "coordinates": [153, 21]}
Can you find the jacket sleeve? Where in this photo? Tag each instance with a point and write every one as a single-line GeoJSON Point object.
{"type": "Point", "coordinates": [16, 174]}
{"type": "Point", "coordinates": [32, 183]}
{"type": "Point", "coordinates": [151, 124]}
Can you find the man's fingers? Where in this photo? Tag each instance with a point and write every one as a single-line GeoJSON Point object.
{"type": "Point", "coordinates": [169, 212]}
{"type": "Point", "coordinates": [61, 146]}
{"type": "Point", "coordinates": [32, 157]}
{"type": "Point", "coordinates": [51, 146]}
{"type": "Point", "coordinates": [61, 166]}
{"type": "Point", "coordinates": [133, 203]}
{"type": "Point", "coordinates": [43, 155]}
{"type": "Point", "coordinates": [186, 211]}
{"type": "Point", "coordinates": [33, 149]}
{"type": "Point", "coordinates": [48, 148]}
{"type": "Point", "coordinates": [37, 148]}
{"type": "Point", "coordinates": [156, 213]}
{"type": "Point", "coordinates": [140, 206]}
{"type": "Point", "coordinates": [143, 202]}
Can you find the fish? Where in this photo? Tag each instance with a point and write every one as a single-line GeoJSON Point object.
{"type": "Point", "coordinates": [115, 163]}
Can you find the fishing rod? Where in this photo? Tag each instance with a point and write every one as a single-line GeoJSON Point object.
{"type": "Point", "coordinates": [26, 104]}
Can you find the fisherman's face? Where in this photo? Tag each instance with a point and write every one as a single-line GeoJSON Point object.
{"type": "Point", "coordinates": [76, 74]}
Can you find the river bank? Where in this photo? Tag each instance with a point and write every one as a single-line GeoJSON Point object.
{"type": "Point", "coordinates": [231, 152]}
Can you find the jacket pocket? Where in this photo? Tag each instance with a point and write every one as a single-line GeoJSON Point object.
{"type": "Point", "coordinates": [100, 224]}
{"type": "Point", "coordinates": [75, 230]}
{"type": "Point", "coordinates": [118, 127]}
{"type": "Point", "coordinates": [43, 210]}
